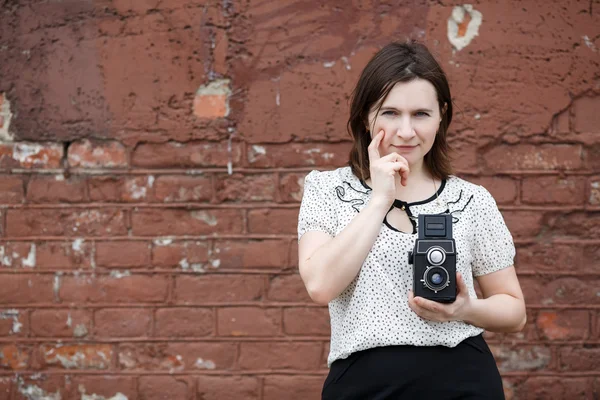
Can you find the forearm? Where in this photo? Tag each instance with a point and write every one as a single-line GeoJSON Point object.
{"type": "Point", "coordinates": [497, 313]}
{"type": "Point", "coordinates": [331, 268]}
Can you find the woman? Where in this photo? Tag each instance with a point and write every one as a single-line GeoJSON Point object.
{"type": "Point", "coordinates": [358, 223]}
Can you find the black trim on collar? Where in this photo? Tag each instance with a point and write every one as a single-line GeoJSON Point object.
{"type": "Point", "coordinates": [400, 203]}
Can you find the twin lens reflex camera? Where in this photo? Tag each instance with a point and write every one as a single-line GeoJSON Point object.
{"type": "Point", "coordinates": [434, 259]}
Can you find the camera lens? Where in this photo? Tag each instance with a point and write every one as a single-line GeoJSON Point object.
{"type": "Point", "coordinates": [436, 255]}
{"type": "Point", "coordinates": [436, 279]}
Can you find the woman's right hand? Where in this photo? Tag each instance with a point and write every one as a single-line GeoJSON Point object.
{"type": "Point", "coordinates": [383, 171]}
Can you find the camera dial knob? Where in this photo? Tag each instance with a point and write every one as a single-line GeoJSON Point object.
{"type": "Point", "coordinates": [436, 256]}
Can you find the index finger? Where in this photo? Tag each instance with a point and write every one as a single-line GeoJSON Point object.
{"type": "Point", "coordinates": [374, 146]}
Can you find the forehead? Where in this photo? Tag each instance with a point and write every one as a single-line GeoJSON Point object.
{"type": "Point", "coordinates": [415, 93]}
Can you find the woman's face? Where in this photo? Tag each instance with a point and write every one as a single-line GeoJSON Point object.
{"type": "Point", "coordinates": [410, 117]}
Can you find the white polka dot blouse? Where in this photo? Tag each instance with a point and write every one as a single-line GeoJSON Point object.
{"type": "Point", "coordinates": [373, 310]}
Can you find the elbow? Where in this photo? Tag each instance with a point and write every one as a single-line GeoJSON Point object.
{"type": "Point", "coordinates": [522, 324]}
{"type": "Point", "coordinates": [318, 295]}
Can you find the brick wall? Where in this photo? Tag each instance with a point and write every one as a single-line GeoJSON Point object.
{"type": "Point", "coordinates": [151, 169]}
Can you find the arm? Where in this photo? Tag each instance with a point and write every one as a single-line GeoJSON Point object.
{"type": "Point", "coordinates": [502, 308]}
{"type": "Point", "coordinates": [328, 265]}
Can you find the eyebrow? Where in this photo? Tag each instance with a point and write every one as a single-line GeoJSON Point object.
{"type": "Point", "coordinates": [416, 110]}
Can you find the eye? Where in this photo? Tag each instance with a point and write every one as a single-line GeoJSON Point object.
{"type": "Point", "coordinates": [389, 113]}
{"type": "Point", "coordinates": [422, 114]}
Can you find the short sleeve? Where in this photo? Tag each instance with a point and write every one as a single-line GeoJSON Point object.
{"type": "Point", "coordinates": [494, 248]}
{"type": "Point", "coordinates": [316, 210]}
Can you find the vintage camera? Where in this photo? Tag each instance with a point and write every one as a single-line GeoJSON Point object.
{"type": "Point", "coordinates": [434, 259]}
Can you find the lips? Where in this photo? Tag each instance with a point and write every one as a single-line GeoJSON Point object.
{"type": "Point", "coordinates": [405, 147]}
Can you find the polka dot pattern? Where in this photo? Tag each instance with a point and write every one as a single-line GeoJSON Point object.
{"type": "Point", "coordinates": [373, 310]}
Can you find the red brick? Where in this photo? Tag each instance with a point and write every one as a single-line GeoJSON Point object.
{"type": "Point", "coordinates": [173, 189]}
{"type": "Point", "coordinates": [176, 357]}
{"type": "Point", "coordinates": [592, 157]}
{"type": "Point", "coordinates": [551, 388]}
{"type": "Point", "coordinates": [280, 355]}
{"type": "Point", "coordinates": [287, 288]}
{"type": "Point", "coordinates": [291, 187]}
{"type": "Point", "coordinates": [164, 387]}
{"type": "Point", "coordinates": [252, 253]}
{"type": "Point", "coordinates": [228, 388]}
{"type": "Point", "coordinates": [306, 321]}
{"type": "Point", "coordinates": [523, 223]}
{"type": "Point", "coordinates": [128, 254]}
{"type": "Point", "coordinates": [553, 190]}
{"type": "Point", "coordinates": [220, 52]}
{"type": "Point", "coordinates": [5, 382]}
{"type": "Point", "coordinates": [25, 289]}
{"type": "Point", "coordinates": [153, 222]}
{"type": "Point", "coordinates": [577, 224]}
{"type": "Point", "coordinates": [587, 118]}
{"type": "Point", "coordinates": [465, 154]}
{"type": "Point", "coordinates": [564, 325]}
{"type": "Point", "coordinates": [246, 188]}
{"type": "Point", "coordinates": [97, 154]}
{"type": "Point", "coordinates": [120, 189]}
{"type": "Point", "coordinates": [594, 191]}
{"type": "Point", "coordinates": [561, 123]}
{"type": "Point", "coordinates": [108, 289]}
{"type": "Point", "coordinates": [248, 321]}
{"type": "Point", "coordinates": [534, 157]}
{"type": "Point", "coordinates": [55, 189]}
{"type": "Point", "coordinates": [298, 155]}
{"type": "Point", "coordinates": [18, 255]}
{"type": "Point", "coordinates": [211, 106]}
{"type": "Point", "coordinates": [11, 189]}
{"type": "Point", "coordinates": [294, 258]}
{"type": "Point", "coordinates": [273, 221]}
{"type": "Point", "coordinates": [550, 257]}
{"type": "Point", "coordinates": [122, 322]}
{"type": "Point", "coordinates": [76, 356]}
{"type": "Point", "coordinates": [14, 357]}
{"type": "Point", "coordinates": [521, 357]}
{"type": "Point", "coordinates": [169, 254]}
{"type": "Point", "coordinates": [504, 190]}
{"type": "Point", "coordinates": [217, 288]}
{"type": "Point", "coordinates": [182, 322]}
{"type": "Point", "coordinates": [42, 386]}
{"type": "Point", "coordinates": [296, 387]}
{"type": "Point", "coordinates": [14, 322]}
{"type": "Point", "coordinates": [31, 155]}
{"type": "Point", "coordinates": [60, 323]}
{"type": "Point", "coordinates": [580, 358]}
{"type": "Point", "coordinates": [191, 154]}
{"type": "Point", "coordinates": [548, 291]}
{"type": "Point", "coordinates": [105, 385]}
{"type": "Point", "coordinates": [74, 254]}
{"type": "Point", "coordinates": [65, 222]}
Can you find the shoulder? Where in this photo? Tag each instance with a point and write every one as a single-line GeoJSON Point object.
{"type": "Point", "coordinates": [330, 178]}
{"type": "Point", "coordinates": [480, 197]}
{"type": "Point", "coordinates": [456, 184]}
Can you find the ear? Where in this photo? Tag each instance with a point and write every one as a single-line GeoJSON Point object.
{"type": "Point", "coordinates": [444, 108]}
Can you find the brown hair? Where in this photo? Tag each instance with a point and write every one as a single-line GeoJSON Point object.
{"type": "Point", "coordinates": [398, 62]}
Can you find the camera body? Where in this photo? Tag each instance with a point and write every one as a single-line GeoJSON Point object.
{"type": "Point", "coordinates": [434, 259]}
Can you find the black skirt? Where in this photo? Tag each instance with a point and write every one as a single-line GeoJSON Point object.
{"type": "Point", "coordinates": [467, 371]}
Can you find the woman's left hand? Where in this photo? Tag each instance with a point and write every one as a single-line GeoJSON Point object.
{"type": "Point", "coordinates": [440, 312]}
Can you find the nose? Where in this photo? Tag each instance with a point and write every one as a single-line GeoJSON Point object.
{"type": "Point", "coordinates": [405, 128]}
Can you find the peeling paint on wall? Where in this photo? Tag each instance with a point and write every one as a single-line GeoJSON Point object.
{"type": "Point", "coordinates": [14, 315]}
{"type": "Point", "coordinates": [5, 118]}
{"type": "Point", "coordinates": [463, 25]}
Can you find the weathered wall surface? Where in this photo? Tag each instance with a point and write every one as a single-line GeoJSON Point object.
{"type": "Point", "coordinates": [151, 168]}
